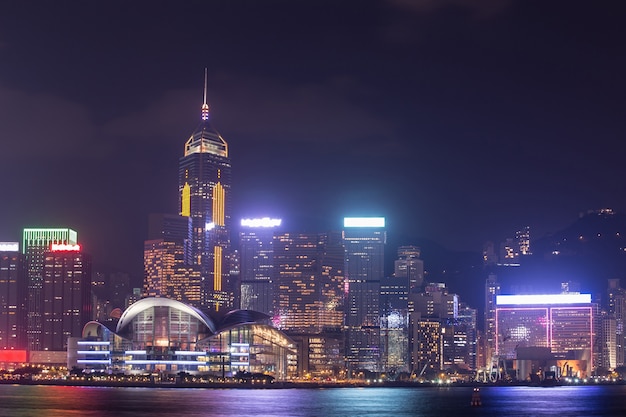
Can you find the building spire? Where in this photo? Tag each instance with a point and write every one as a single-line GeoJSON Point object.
{"type": "Point", "coordinates": [205, 106]}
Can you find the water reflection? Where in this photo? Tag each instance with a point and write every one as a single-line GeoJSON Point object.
{"type": "Point", "coordinates": [345, 402]}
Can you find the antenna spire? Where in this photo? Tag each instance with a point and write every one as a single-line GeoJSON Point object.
{"type": "Point", "coordinates": [205, 106]}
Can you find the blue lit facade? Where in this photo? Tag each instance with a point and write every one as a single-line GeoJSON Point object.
{"type": "Point", "coordinates": [364, 241]}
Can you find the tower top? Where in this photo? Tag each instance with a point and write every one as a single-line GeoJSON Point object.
{"type": "Point", "coordinates": [205, 106]}
{"type": "Point", "coordinates": [205, 139]}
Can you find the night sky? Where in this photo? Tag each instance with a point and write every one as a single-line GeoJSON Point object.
{"type": "Point", "coordinates": [460, 121]}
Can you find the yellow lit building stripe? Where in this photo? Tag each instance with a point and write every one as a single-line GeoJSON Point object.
{"type": "Point", "coordinates": [217, 268]}
{"type": "Point", "coordinates": [186, 201]}
{"type": "Point", "coordinates": [218, 204]}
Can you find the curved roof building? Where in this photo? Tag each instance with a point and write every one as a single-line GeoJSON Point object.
{"type": "Point", "coordinates": [164, 335]}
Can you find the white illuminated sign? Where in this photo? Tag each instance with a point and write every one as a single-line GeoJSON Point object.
{"type": "Point", "coordinates": [54, 247]}
{"type": "Point", "coordinates": [364, 222]}
{"type": "Point", "coordinates": [543, 299]}
{"type": "Point", "coordinates": [209, 226]}
{"type": "Point", "coordinates": [263, 222]}
{"type": "Point", "coordinates": [9, 246]}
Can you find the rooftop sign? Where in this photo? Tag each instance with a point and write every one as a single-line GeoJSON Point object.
{"type": "Point", "coordinates": [9, 247]}
{"type": "Point", "coordinates": [543, 299]}
{"type": "Point", "coordinates": [263, 222]}
{"type": "Point", "coordinates": [364, 222]}
{"type": "Point", "coordinates": [54, 247]}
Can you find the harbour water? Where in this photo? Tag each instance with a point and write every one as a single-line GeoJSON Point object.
{"type": "Point", "coordinates": [64, 401]}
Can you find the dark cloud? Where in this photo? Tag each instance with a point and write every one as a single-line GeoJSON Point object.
{"type": "Point", "coordinates": [476, 8]}
{"type": "Point", "coordinates": [459, 120]}
{"type": "Point", "coordinates": [256, 107]}
{"type": "Point", "coordinates": [38, 125]}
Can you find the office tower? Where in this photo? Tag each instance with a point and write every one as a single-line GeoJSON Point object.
{"type": "Point", "coordinates": [257, 264]}
{"type": "Point", "coordinates": [309, 280]}
{"type": "Point", "coordinates": [617, 310]}
{"type": "Point", "coordinates": [560, 323]}
{"type": "Point", "coordinates": [435, 302]}
{"type": "Point", "coordinates": [465, 346]}
{"type": "Point", "coordinates": [12, 298]}
{"type": "Point", "coordinates": [394, 335]}
{"type": "Point", "coordinates": [608, 341]}
{"type": "Point", "coordinates": [394, 324]}
{"type": "Point", "coordinates": [65, 295]}
{"type": "Point", "coordinates": [308, 270]}
{"type": "Point", "coordinates": [170, 227]}
{"type": "Point", "coordinates": [204, 184]}
{"type": "Point", "coordinates": [364, 240]}
{"type": "Point", "coordinates": [36, 242]}
{"type": "Point", "coordinates": [492, 289]}
{"type": "Point", "coordinates": [167, 275]}
{"type": "Point", "coordinates": [395, 306]}
{"type": "Point", "coordinates": [410, 266]}
{"type": "Point", "coordinates": [167, 270]}
{"type": "Point", "coordinates": [426, 346]}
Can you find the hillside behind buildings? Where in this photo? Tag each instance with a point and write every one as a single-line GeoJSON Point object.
{"type": "Point", "coordinates": [586, 254]}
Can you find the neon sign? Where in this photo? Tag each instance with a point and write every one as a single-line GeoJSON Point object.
{"type": "Point", "coordinates": [263, 222]}
{"type": "Point", "coordinates": [60, 247]}
{"type": "Point", "coordinates": [9, 246]}
{"type": "Point", "coordinates": [364, 222]}
{"type": "Point", "coordinates": [543, 299]}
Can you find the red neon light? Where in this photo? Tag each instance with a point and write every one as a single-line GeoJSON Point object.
{"type": "Point", "coordinates": [59, 247]}
{"type": "Point", "coordinates": [13, 356]}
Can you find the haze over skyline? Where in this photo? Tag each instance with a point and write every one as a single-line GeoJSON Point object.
{"type": "Point", "coordinates": [459, 121]}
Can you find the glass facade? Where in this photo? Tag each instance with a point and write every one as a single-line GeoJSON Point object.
{"type": "Point", "coordinates": [166, 336]}
{"type": "Point", "coordinates": [364, 240]}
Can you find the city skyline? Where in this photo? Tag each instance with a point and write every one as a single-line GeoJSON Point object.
{"type": "Point", "coordinates": [459, 121]}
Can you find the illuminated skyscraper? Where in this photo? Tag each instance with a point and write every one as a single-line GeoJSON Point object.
{"type": "Point", "coordinates": [410, 266]}
{"type": "Point", "coordinates": [12, 298]}
{"type": "Point", "coordinates": [36, 242]}
{"type": "Point", "coordinates": [166, 272]}
{"type": "Point", "coordinates": [167, 275]}
{"type": "Point", "coordinates": [204, 182]}
{"type": "Point", "coordinates": [309, 277]}
{"type": "Point", "coordinates": [492, 289]}
{"type": "Point", "coordinates": [435, 302]}
{"type": "Point", "coordinates": [257, 264]}
{"type": "Point", "coordinates": [364, 240]}
{"type": "Point", "coordinates": [427, 346]}
{"type": "Point", "coordinates": [617, 310]}
{"type": "Point", "coordinates": [65, 295]}
{"type": "Point", "coordinates": [308, 271]}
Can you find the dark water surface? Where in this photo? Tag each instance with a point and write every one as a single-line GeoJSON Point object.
{"type": "Point", "coordinates": [54, 401]}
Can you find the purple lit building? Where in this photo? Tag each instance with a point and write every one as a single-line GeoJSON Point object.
{"type": "Point", "coordinates": [563, 323]}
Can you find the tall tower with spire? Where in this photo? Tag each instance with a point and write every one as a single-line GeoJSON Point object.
{"type": "Point", "coordinates": [204, 182]}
